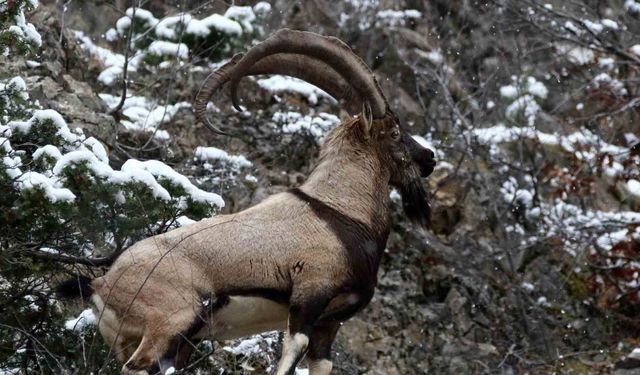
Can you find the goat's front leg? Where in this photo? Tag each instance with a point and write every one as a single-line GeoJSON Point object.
{"type": "Point", "coordinates": [303, 314]}
{"type": "Point", "coordinates": [319, 354]}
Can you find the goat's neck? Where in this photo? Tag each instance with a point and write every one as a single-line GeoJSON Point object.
{"type": "Point", "coordinates": [354, 184]}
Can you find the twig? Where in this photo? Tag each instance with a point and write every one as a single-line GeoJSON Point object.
{"type": "Point", "coordinates": [115, 111]}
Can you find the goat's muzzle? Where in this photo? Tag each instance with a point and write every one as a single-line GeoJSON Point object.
{"type": "Point", "coordinates": [425, 160]}
{"type": "Point", "coordinates": [420, 155]}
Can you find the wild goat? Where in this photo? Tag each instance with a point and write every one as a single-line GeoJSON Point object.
{"type": "Point", "coordinates": [301, 261]}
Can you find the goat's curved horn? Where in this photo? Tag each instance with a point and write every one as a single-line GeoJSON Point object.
{"type": "Point", "coordinates": [308, 69]}
{"type": "Point", "coordinates": [288, 43]}
{"type": "Point", "coordinates": [212, 84]}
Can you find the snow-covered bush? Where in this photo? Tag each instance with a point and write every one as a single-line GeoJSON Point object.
{"type": "Point", "coordinates": [257, 353]}
{"type": "Point", "coordinates": [14, 99]}
{"type": "Point", "coordinates": [145, 115]}
{"type": "Point", "coordinates": [157, 41]}
{"type": "Point", "coordinates": [217, 167]}
{"type": "Point", "coordinates": [532, 107]}
{"type": "Point", "coordinates": [62, 204]}
{"type": "Point", "coordinates": [182, 35]}
{"type": "Point", "coordinates": [15, 32]}
{"type": "Point", "coordinates": [523, 96]}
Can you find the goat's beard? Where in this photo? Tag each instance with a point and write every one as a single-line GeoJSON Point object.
{"type": "Point", "coordinates": [415, 202]}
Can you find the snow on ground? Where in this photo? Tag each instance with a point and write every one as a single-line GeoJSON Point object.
{"type": "Point", "coordinates": [217, 22]}
{"type": "Point", "coordinates": [139, 14]}
{"type": "Point", "coordinates": [558, 217]}
{"type": "Point", "coordinates": [574, 142]}
{"type": "Point", "coordinates": [434, 56]}
{"type": "Point", "coordinates": [509, 91]}
{"type": "Point", "coordinates": [316, 125]}
{"type": "Point", "coordinates": [166, 28]}
{"type": "Point", "coordinates": [171, 27]}
{"type": "Point", "coordinates": [594, 27]}
{"type": "Point", "coordinates": [607, 63]}
{"type": "Point", "coordinates": [523, 94]}
{"type": "Point", "coordinates": [605, 80]}
{"type": "Point", "coordinates": [583, 144]}
{"type": "Point", "coordinates": [536, 88]}
{"type": "Point", "coordinates": [392, 17]}
{"type": "Point", "coordinates": [610, 24]}
{"type": "Point", "coordinates": [525, 105]}
{"type": "Point", "coordinates": [575, 55]}
{"type": "Point", "coordinates": [277, 84]}
{"type": "Point", "coordinates": [85, 319]}
{"type": "Point", "coordinates": [574, 221]}
{"type": "Point", "coordinates": [242, 14]}
{"type": "Point", "coordinates": [255, 347]}
{"type": "Point", "coordinates": [262, 7]}
{"type": "Point", "coordinates": [250, 346]}
{"type": "Point", "coordinates": [113, 62]}
{"type": "Point", "coordinates": [166, 34]}
{"type": "Point", "coordinates": [213, 153]}
{"type": "Point", "coordinates": [163, 48]}
{"type": "Point", "coordinates": [572, 28]}
{"type": "Point", "coordinates": [145, 114]}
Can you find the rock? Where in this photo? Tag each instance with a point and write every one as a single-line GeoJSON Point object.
{"type": "Point", "coordinates": [74, 99]}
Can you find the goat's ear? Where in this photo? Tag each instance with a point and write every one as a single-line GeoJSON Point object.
{"type": "Point", "coordinates": [366, 120]}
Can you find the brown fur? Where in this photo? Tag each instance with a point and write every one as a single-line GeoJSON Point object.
{"type": "Point", "coordinates": [314, 250]}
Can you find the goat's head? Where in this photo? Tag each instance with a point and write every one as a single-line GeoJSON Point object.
{"type": "Point", "coordinates": [330, 64]}
{"type": "Point", "coordinates": [408, 162]}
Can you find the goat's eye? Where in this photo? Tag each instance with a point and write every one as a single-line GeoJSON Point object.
{"type": "Point", "coordinates": [395, 134]}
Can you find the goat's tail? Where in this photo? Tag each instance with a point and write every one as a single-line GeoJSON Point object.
{"type": "Point", "coordinates": [77, 287]}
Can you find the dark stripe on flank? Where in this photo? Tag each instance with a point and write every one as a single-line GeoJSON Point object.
{"type": "Point", "coordinates": [364, 243]}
